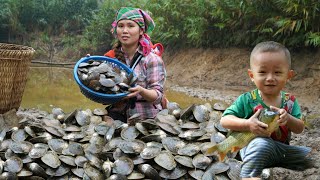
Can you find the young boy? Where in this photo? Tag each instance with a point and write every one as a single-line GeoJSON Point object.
{"type": "Point", "coordinates": [270, 69]}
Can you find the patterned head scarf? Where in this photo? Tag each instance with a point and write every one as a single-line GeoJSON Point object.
{"type": "Point", "coordinates": [144, 21]}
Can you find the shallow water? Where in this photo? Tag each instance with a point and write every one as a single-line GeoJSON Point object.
{"type": "Point", "coordinates": [49, 87]}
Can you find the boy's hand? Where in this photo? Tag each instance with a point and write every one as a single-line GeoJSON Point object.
{"type": "Point", "coordinates": [284, 116]}
{"type": "Point", "coordinates": [257, 127]}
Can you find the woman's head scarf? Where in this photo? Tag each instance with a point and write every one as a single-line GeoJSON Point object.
{"type": "Point", "coordinates": [144, 21]}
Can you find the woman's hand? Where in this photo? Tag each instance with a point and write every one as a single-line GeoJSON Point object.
{"type": "Point", "coordinates": [284, 115]}
{"type": "Point", "coordinates": [257, 127]}
{"type": "Point", "coordinates": [134, 91]}
{"type": "Point", "coordinates": [147, 94]}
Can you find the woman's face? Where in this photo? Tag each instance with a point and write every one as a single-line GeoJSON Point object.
{"type": "Point", "coordinates": [128, 32]}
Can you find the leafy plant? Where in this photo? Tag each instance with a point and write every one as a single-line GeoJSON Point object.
{"type": "Point", "coordinates": [84, 25]}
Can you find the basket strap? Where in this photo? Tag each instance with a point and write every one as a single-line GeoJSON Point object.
{"type": "Point", "coordinates": [136, 60]}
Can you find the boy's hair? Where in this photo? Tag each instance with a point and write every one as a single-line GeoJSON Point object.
{"type": "Point", "coordinates": [270, 46]}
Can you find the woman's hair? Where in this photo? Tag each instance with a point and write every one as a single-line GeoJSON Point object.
{"type": "Point", "coordinates": [118, 53]}
{"type": "Point", "coordinates": [270, 46]}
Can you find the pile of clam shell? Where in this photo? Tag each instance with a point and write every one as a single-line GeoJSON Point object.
{"type": "Point", "coordinates": [105, 77]}
{"type": "Point", "coordinates": [87, 144]}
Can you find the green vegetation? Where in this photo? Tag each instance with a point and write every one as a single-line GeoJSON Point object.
{"type": "Point", "coordinates": [83, 26]}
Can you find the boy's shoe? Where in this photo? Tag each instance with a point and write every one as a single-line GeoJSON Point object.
{"type": "Point", "coordinates": [267, 174]}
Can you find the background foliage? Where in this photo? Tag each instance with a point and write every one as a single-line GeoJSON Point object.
{"type": "Point", "coordinates": [83, 26]}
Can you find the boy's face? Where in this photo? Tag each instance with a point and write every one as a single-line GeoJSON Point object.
{"type": "Point", "coordinates": [270, 72]}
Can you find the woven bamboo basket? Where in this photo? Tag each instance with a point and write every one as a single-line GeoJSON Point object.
{"type": "Point", "coordinates": [14, 66]}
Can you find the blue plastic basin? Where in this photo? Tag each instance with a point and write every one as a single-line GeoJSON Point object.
{"type": "Point", "coordinates": [98, 97]}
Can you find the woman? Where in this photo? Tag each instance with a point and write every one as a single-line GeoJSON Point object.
{"type": "Point", "coordinates": [134, 46]}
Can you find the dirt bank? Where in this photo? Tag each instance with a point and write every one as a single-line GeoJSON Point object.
{"type": "Point", "coordinates": [222, 74]}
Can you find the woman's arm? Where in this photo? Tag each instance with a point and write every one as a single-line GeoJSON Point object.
{"type": "Point", "coordinates": [154, 82]}
{"type": "Point", "coordinates": [147, 94]}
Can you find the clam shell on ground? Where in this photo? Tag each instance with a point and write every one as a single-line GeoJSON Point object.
{"type": "Point", "coordinates": [173, 144]}
{"type": "Point", "coordinates": [13, 164]}
{"type": "Point", "coordinates": [75, 148]}
{"type": "Point", "coordinates": [100, 111]}
{"type": "Point", "coordinates": [93, 160]}
{"type": "Point", "coordinates": [219, 106]}
{"type": "Point", "coordinates": [235, 168]}
{"type": "Point", "coordinates": [78, 172]}
{"type": "Point", "coordinates": [129, 133]}
{"type": "Point", "coordinates": [149, 124]}
{"type": "Point", "coordinates": [141, 128]}
{"type": "Point", "coordinates": [201, 113]}
{"type": "Point", "coordinates": [196, 174]}
{"type": "Point", "coordinates": [184, 160]}
{"type": "Point", "coordinates": [19, 135]}
{"type": "Point", "coordinates": [166, 160]}
{"type": "Point", "coordinates": [69, 160]}
{"type": "Point", "coordinates": [8, 175]}
{"type": "Point", "coordinates": [152, 137]}
{"type": "Point", "coordinates": [107, 168]}
{"type": "Point", "coordinates": [221, 129]}
{"type": "Point", "coordinates": [138, 160]}
{"type": "Point", "coordinates": [22, 147]}
{"type": "Point", "coordinates": [36, 169]}
{"type": "Point", "coordinates": [201, 161]}
{"type": "Point", "coordinates": [29, 131]}
{"type": "Point", "coordinates": [176, 173]}
{"type": "Point", "coordinates": [80, 161]}
{"type": "Point", "coordinates": [189, 125]}
{"type": "Point", "coordinates": [87, 144]}
{"type": "Point", "coordinates": [123, 166]}
{"type": "Point", "coordinates": [218, 168]}
{"type": "Point", "coordinates": [38, 150]}
{"type": "Point", "coordinates": [186, 113]}
{"type": "Point", "coordinates": [192, 134]}
{"type": "Point", "coordinates": [60, 171]}
{"type": "Point", "coordinates": [51, 159]}
{"type": "Point", "coordinates": [43, 138]}
{"type": "Point", "coordinates": [169, 119]}
{"type": "Point", "coordinates": [82, 118]}
{"type": "Point", "coordinates": [189, 150]}
{"type": "Point", "coordinates": [135, 175]}
{"type": "Point", "coordinates": [135, 146]}
{"type": "Point", "coordinates": [24, 173]}
{"type": "Point", "coordinates": [168, 128]}
{"type": "Point", "coordinates": [218, 137]}
{"type": "Point", "coordinates": [102, 128]}
{"type": "Point", "coordinates": [92, 172]}
{"type": "Point", "coordinates": [72, 128]}
{"type": "Point", "coordinates": [150, 152]}
{"type": "Point", "coordinates": [149, 171]}
{"type": "Point", "coordinates": [57, 145]}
